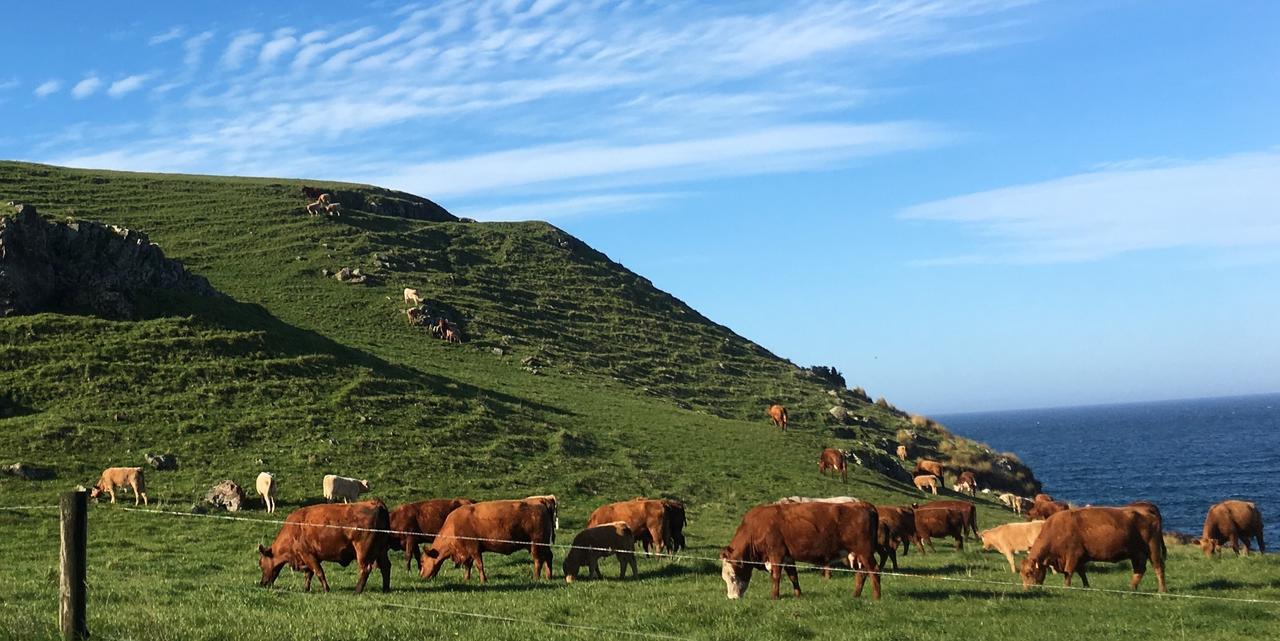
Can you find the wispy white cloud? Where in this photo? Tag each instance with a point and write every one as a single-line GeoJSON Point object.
{"type": "Point", "coordinates": [788, 147]}
{"type": "Point", "coordinates": [193, 48]}
{"type": "Point", "coordinates": [241, 47]}
{"type": "Point", "coordinates": [127, 85]}
{"type": "Point", "coordinates": [552, 96]}
{"type": "Point", "coordinates": [47, 88]}
{"type": "Point", "coordinates": [281, 43]}
{"type": "Point", "coordinates": [590, 205]}
{"type": "Point", "coordinates": [11, 83]}
{"type": "Point", "coordinates": [173, 33]}
{"type": "Point", "coordinates": [86, 87]}
{"type": "Point", "coordinates": [1217, 203]}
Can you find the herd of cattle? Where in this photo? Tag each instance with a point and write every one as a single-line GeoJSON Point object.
{"type": "Point", "coordinates": [774, 537]}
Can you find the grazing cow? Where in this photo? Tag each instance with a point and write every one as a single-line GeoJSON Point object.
{"type": "Point", "coordinates": [1011, 538]}
{"type": "Point", "coordinates": [834, 460]}
{"type": "Point", "coordinates": [829, 499]}
{"type": "Point", "coordinates": [504, 527]}
{"type": "Point", "coordinates": [411, 296]}
{"type": "Point", "coordinates": [1070, 540]}
{"type": "Point", "coordinates": [925, 466]}
{"type": "Point", "coordinates": [266, 486]}
{"type": "Point", "coordinates": [320, 205]}
{"type": "Point", "coordinates": [1233, 522]}
{"type": "Point", "coordinates": [1012, 501]}
{"type": "Point", "coordinates": [341, 487]}
{"type": "Point", "coordinates": [967, 512]}
{"type": "Point", "coordinates": [931, 521]}
{"type": "Point", "coordinates": [130, 477]}
{"type": "Point", "coordinates": [902, 452]}
{"type": "Point", "coordinates": [418, 523]}
{"type": "Point", "coordinates": [778, 414]}
{"type": "Point", "coordinates": [1045, 507]}
{"type": "Point", "coordinates": [647, 518]}
{"type": "Point", "coordinates": [777, 536]}
{"type": "Point", "coordinates": [595, 543]}
{"type": "Point", "coordinates": [967, 482]}
{"type": "Point", "coordinates": [897, 527]}
{"type": "Point", "coordinates": [340, 533]}
{"type": "Point", "coordinates": [926, 482]}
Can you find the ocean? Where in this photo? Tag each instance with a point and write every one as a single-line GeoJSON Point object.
{"type": "Point", "coordinates": [1183, 455]}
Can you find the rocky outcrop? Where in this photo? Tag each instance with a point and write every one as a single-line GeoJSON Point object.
{"type": "Point", "coordinates": [162, 462]}
{"type": "Point", "coordinates": [82, 266]}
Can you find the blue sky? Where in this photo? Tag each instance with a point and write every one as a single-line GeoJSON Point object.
{"type": "Point", "coordinates": [966, 205]}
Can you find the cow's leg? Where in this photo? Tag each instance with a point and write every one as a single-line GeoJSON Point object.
{"type": "Point", "coordinates": [324, 581]}
{"type": "Point", "coordinates": [593, 568]}
{"type": "Point", "coordinates": [384, 566]}
{"type": "Point", "coordinates": [775, 575]}
{"type": "Point", "coordinates": [1262, 546]}
{"type": "Point", "coordinates": [1235, 542]}
{"type": "Point", "coordinates": [366, 566]}
{"type": "Point", "coordinates": [1084, 578]}
{"type": "Point", "coordinates": [960, 542]}
{"type": "Point", "coordinates": [480, 567]}
{"type": "Point", "coordinates": [1008, 555]}
{"type": "Point", "coordinates": [869, 567]}
{"type": "Point", "coordinates": [1139, 568]}
{"type": "Point", "coordinates": [306, 584]}
{"type": "Point", "coordinates": [466, 570]}
{"type": "Point", "coordinates": [795, 579]}
{"type": "Point", "coordinates": [112, 493]}
{"type": "Point", "coordinates": [410, 553]}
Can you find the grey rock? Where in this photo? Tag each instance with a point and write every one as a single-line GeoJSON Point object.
{"type": "Point", "coordinates": [28, 472]}
{"type": "Point", "coordinates": [839, 412]}
{"type": "Point", "coordinates": [226, 495]}
{"type": "Point", "coordinates": [498, 351]}
{"type": "Point", "coordinates": [162, 462]}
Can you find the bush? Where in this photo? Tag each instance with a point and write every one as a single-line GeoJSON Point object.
{"type": "Point", "coordinates": [861, 394]}
{"type": "Point", "coordinates": [916, 419]}
{"type": "Point", "coordinates": [829, 375]}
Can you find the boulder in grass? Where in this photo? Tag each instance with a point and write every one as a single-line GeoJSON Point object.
{"type": "Point", "coordinates": [28, 472]}
{"type": "Point", "coordinates": [226, 495]}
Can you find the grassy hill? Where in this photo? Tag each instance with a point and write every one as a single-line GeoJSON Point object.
{"type": "Point", "coordinates": [297, 373]}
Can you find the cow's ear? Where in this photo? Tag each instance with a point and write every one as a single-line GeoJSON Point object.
{"type": "Point", "coordinates": [726, 552]}
{"type": "Point", "coordinates": [264, 551]}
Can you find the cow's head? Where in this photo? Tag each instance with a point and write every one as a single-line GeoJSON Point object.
{"type": "Point", "coordinates": [364, 485]}
{"type": "Point", "coordinates": [736, 574]}
{"type": "Point", "coordinates": [986, 541]}
{"type": "Point", "coordinates": [1208, 545]}
{"type": "Point", "coordinates": [431, 562]}
{"type": "Point", "coordinates": [270, 565]}
{"type": "Point", "coordinates": [95, 492]}
{"type": "Point", "coordinates": [1032, 572]}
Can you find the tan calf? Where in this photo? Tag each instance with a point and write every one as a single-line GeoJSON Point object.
{"type": "Point", "coordinates": [1011, 538]}
{"type": "Point", "coordinates": [926, 481]}
{"type": "Point", "coordinates": [130, 477]}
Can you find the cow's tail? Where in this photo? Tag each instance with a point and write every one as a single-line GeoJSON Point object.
{"type": "Point", "coordinates": [973, 524]}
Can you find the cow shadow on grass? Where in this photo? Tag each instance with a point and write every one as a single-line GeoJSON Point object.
{"type": "Point", "coordinates": [1230, 584]}
{"type": "Point", "coordinates": [969, 593]}
{"type": "Point", "coordinates": [670, 570]}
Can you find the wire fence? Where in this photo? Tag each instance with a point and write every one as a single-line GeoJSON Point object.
{"type": "Point", "coordinates": [677, 558]}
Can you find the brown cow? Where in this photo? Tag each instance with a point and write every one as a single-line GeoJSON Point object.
{"type": "Point", "coordinates": [897, 527]}
{"type": "Point", "coordinates": [549, 500]}
{"type": "Point", "coordinates": [1045, 508]}
{"type": "Point", "coordinates": [777, 536]}
{"type": "Point", "coordinates": [595, 543]}
{"type": "Point", "coordinates": [1232, 522]}
{"type": "Point", "coordinates": [967, 482]}
{"type": "Point", "coordinates": [967, 512]}
{"type": "Point", "coordinates": [1071, 539]}
{"type": "Point", "coordinates": [418, 523]}
{"type": "Point", "coordinates": [113, 477]}
{"type": "Point", "coordinates": [778, 414]}
{"type": "Point", "coordinates": [931, 521]}
{"type": "Point", "coordinates": [834, 460]}
{"type": "Point", "coordinates": [676, 520]}
{"type": "Point", "coordinates": [647, 518]}
{"type": "Point", "coordinates": [925, 466]}
{"type": "Point", "coordinates": [504, 527]}
{"type": "Point", "coordinates": [331, 532]}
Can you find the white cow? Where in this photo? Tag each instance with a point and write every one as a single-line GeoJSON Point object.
{"type": "Point", "coordinates": [341, 487]}
{"type": "Point", "coordinates": [267, 490]}
{"type": "Point", "coordinates": [411, 296]}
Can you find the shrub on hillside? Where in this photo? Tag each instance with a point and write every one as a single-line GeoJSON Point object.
{"type": "Point", "coordinates": [861, 394]}
{"type": "Point", "coordinates": [829, 375]}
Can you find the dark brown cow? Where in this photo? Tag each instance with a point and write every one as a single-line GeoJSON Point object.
{"type": "Point", "coordinates": [925, 466]}
{"type": "Point", "coordinates": [336, 532]}
{"type": "Point", "coordinates": [931, 521]}
{"type": "Point", "coordinates": [648, 519]}
{"type": "Point", "coordinates": [897, 527]}
{"type": "Point", "coordinates": [676, 520]}
{"type": "Point", "coordinates": [776, 536]}
{"type": "Point", "coordinates": [418, 523]}
{"type": "Point", "coordinates": [778, 414]}
{"type": "Point", "coordinates": [1070, 540]}
{"type": "Point", "coordinates": [834, 460]}
{"type": "Point", "coordinates": [504, 527]}
{"type": "Point", "coordinates": [1232, 522]}
{"type": "Point", "coordinates": [967, 512]}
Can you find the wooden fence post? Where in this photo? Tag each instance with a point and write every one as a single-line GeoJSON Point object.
{"type": "Point", "coordinates": [71, 589]}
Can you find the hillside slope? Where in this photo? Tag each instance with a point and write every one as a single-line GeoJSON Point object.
{"type": "Point", "coordinates": [636, 390]}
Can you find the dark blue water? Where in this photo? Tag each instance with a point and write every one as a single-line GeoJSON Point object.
{"type": "Point", "coordinates": [1184, 455]}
